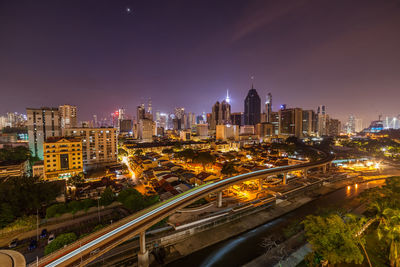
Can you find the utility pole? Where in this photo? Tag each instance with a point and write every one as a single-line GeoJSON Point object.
{"type": "Point", "coordinates": [37, 225]}
{"type": "Point", "coordinates": [98, 207]}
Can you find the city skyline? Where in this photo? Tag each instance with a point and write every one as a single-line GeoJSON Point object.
{"type": "Point", "coordinates": [108, 57]}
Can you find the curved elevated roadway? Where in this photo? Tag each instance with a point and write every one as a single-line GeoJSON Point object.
{"type": "Point", "coordinates": [90, 247]}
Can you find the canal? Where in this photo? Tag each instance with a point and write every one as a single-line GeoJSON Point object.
{"type": "Point", "coordinates": [243, 248]}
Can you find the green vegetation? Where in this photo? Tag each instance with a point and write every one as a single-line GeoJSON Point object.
{"type": "Point", "coordinates": [168, 151]}
{"type": "Point", "coordinates": [138, 152]}
{"type": "Point", "coordinates": [107, 197]}
{"type": "Point", "coordinates": [122, 152]}
{"type": "Point", "coordinates": [187, 154]}
{"type": "Point", "coordinates": [333, 238]}
{"type": "Point", "coordinates": [15, 154]}
{"type": "Point", "coordinates": [376, 147]}
{"type": "Point", "coordinates": [134, 201]}
{"type": "Point", "coordinates": [59, 242]}
{"type": "Point", "coordinates": [228, 169]}
{"type": "Point", "coordinates": [204, 158]}
{"type": "Point", "coordinates": [73, 207]}
{"type": "Point", "coordinates": [22, 196]}
{"type": "Point", "coordinates": [76, 180]}
{"type": "Point", "coordinates": [375, 238]}
{"type": "Point", "coordinates": [22, 223]}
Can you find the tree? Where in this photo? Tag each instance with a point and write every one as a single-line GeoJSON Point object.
{"type": "Point", "coordinates": [59, 242]}
{"type": "Point", "coordinates": [333, 239]}
{"type": "Point", "coordinates": [26, 194]}
{"type": "Point", "coordinates": [75, 180]}
{"type": "Point", "coordinates": [187, 154]}
{"type": "Point", "coordinates": [6, 214]}
{"type": "Point", "coordinates": [107, 197]}
{"type": "Point", "coordinates": [138, 152]}
{"type": "Point", "coordinates": [134, 201]}
{"type": "Point", "coordinates": [122, 152]}
{"type": "Point", "coordinates": [167, 151]}
{"type": "Point", "coordinates": [74, 206]}
{"type": "Point", "coordinates": [204, 158]}
{"type": "Point", "coordinates": [389, 229]}
{"type": "Point", "coordinates": [228, 169]}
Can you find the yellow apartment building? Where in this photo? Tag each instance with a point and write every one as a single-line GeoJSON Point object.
{"type": "Point", "coordinates": [62, 158]}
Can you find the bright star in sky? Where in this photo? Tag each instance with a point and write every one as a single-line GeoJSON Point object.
{"type": "Point", "coordinates": [128, 10]}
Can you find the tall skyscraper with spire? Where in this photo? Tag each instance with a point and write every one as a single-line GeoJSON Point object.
{"type": "Point", "coordinates": [268, 107]}
{"type": "Point", "coordinates": [227, 99]}
{"type": "Point", "coordinates": [252, 107]}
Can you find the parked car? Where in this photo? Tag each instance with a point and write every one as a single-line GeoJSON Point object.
{"type": "Point", "coordinates": [51, 238]}
{"type": "Point", "coordinates": [13, 243]}
{"type": "Point", "coordinates": [32, 245]}
{"type": "Point", "coordinates": [43, 234]}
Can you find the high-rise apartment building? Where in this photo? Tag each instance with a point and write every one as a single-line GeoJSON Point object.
{"type": "Point", "coordinates": [99, 145]}
{"type": "Point", "coordinates": [323, 120]}
{"type": "Point", "coordinates": [237, 118]}
{"type": "Point", "coordinates": [221, 114]}
{"type": "Point", "coordinates": [146, 130]}
{"type": "Point", "coordinates": [252, 108]}
{"type": "Point", "coordinates": [140, 113]}
{"type": "Point", "coordinates": [275, 122]}
{"type": "Point", "coordinates": [334, 127]}
{"type": "Point", "coordinates": [42, 124]}
{"type": "Point", "coordinates": [291, 122]}
{"type": "Point", "coordinates": [68, 114]}
{"type": "Point", "coordinates": [351, 125]}
{"type": "Point", "coordinates": [309, 123]}
{"type": "Point", "coordinates": [264, 130]}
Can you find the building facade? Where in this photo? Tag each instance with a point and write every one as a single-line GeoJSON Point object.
{"type": "Point", "coordinates": [221, 114]}
{"type": "Point", "coordinates": [99, 145]}
{"type": "Point", "coordinates": [252, 108]}
{"type": "Point", "coordinates": [291, 122]}
{"type": "Point", "coordinates": [42, 124]}
{"type": "Point", "coordinates": [68, 116]}
{"type": "Point", "coordinates": [309, 123]}
{"type": "Point", "coordinates": [62, 158]}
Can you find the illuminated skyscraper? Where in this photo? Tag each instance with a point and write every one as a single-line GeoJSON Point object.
{"type": "Point", "coordinates": [221, 114]}
{"type": "Point", "coordinates": [291, 122]}
{"type": "Point", "coordinates": [268, 107]}
{"type": "Point", "coordinates": [252, 108]}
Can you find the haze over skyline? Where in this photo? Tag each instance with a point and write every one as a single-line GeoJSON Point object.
{"type": "Point", "coordinates": [98, 56]}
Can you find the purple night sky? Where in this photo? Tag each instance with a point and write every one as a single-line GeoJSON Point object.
{"type": "Point", "coordinates": [98, 56]}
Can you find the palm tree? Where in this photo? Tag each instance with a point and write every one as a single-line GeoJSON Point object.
{"type": "Point", "coordinates": [389, 228]}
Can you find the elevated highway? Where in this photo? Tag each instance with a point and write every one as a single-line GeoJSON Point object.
{"type": "Point", "coordinates": [90, 247]}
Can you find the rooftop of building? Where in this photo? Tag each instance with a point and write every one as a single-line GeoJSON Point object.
{"type": "Point", "coordinates": [59, 138]}
{"type": "Point", "coordinates": [43, 108]}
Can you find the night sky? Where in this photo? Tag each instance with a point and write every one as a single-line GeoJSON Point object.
{"type": "Point", "coordinates": [98, 56]}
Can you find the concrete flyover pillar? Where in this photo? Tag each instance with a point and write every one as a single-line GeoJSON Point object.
{"type": "Point", "coordinates": [219, 199]}
{"type": "Point", "coordinates": [143, 256]}
{"type": "Point", "coordinates": [324, 168]}
{"type": "Point", "coordinates": [260, 184]}
{"type": "Point", "coordinates": [284, 181]}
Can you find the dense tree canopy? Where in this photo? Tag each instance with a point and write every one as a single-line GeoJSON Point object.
{"type": "Point", "coordinates": [333, 238]}
{"type": "Point", "coordinates": [204, 158]}
{"type": "Point", "coordinates": [23, 195]}
{"type": "Point", "coordinates": [134, 201]}
{"type": "Point", "coordinates": [15, 154]}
